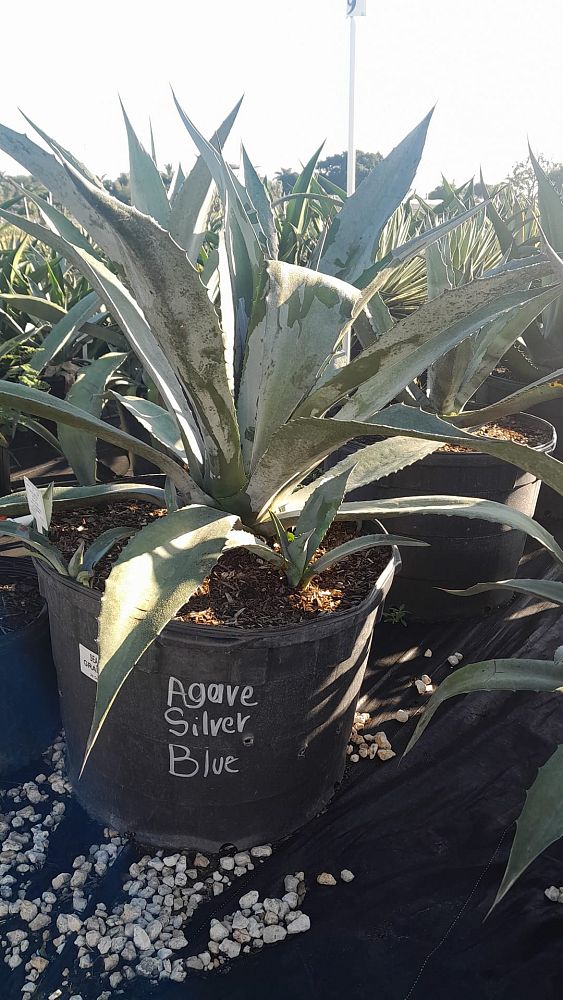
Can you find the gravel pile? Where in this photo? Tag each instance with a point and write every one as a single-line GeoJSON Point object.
{"type": "Point", "coordinates": [145, 935]}
{"type": "Point", "coordinates": [364, 745]}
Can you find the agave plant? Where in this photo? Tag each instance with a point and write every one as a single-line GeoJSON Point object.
{"type": "Point", "coordinates": [252, 399]}
{"type": "Point", "coordinates": [544, 342]}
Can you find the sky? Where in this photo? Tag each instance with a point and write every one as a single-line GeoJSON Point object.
{"type": "Point", "coordinates": [491, 67]}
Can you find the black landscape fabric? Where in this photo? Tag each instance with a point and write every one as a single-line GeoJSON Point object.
{"type": "Point", "coordinates": [427, 838]}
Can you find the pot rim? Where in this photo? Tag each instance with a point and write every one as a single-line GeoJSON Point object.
{"type": "Point", "coordinates": [174, 629]}
{"type": "Point", "coordinates": [482, 459]}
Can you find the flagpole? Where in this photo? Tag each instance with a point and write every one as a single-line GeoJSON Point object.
{"type": "Point", "coordinates": [351, 166]}
{"type": "Point", "coordinates": [354, 8]}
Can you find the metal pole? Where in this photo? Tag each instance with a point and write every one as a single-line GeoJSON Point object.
{"type": "Point", "coordinates": [351, 171]}
{"type": "Point", "coordinates": [351, 164]}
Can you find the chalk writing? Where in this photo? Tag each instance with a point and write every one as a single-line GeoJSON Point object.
{"type": "Point", "coordinates": [189, 715]}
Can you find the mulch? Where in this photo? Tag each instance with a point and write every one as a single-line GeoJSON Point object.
{"type": "Point", "coordinates": [242, 590]}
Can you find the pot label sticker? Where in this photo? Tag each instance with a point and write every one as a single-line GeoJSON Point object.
{"type": "Point", "coordinates": [36, 506]}
{"type": "Point", "coordinates": [192, 715]}
{"type": "Point", "coordinates": [88, 662]}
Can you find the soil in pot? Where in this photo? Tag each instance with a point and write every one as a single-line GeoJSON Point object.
{"type": "Point", "coordinates": [29, 710]}
{"type": "Point", "coordinates": [242, 591]}
{"type": "Point", "coordinates": [463, 551]}
{"type": "Point", "coordinates": [233, 727]}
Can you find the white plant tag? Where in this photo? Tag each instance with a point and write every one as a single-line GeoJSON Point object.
{"type": "Point", "coordinates": [88, 662]}
{"type": "Point", "coordinates": [36, 505]}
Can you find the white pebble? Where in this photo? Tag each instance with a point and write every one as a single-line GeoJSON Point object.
{"type": "Point", "coordinates": [249, 899]}
{"type": "Point", "coordinates": [302, 923]}
{"type": "Point", "coordinates": [262, 851]}
{"type": "Point", "coordinates": [428, 653]}
{"type": "Point", "coordinates": [230, 948]}
{"type": "Point", "coordinates": [141, 939]}
{"type": "Point", "coordinates": [218, 931]}
{"type": "Point", "coordinates": [346, 875]}
{"type": "Point", "coordinates": [273, 934]}
{"type": "Point", "coordinates": [402, 715]}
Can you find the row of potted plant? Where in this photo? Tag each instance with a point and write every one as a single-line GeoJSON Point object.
{"type": "Point", "coordinates": [211, 729]}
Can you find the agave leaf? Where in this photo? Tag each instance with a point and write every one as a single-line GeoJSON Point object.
{"type": "Point", "coordinates": [65, 154]}
{"type": "Point", "coordinates": [486, 510]}
{"type": "Point", "coordinates": [355, 545]}
{"type": "Point", "coordinates": [353, 236]}
{"type": "Point", "coordinates": [503, 233]}
{"type": "Point", "coordinates": [41, 404]}
{"type": "Point", "coordinates": [65, 497]}
{"type": "Point", "coordinates": [371, 463]}
{"type": "Point", "coordinates": [181, 317]}
{"type": "Point", "coordinates": [548, 347]}
{"type": "Point", "coordinates": [310, 439]}
{"type": "Point", "coordinates": [549, 590]}
{"type": "Point", "coordinates": [242, 245]}
{"type": "Point", "coordinates": [131, 320]}
{"type": "Point", "coordinates": [492, 675]}
{"type": "Point", "coordinates": [540, 823]}
{"type": "Point", "coordinates": [414, 343]}
{"type": "Point", "coordinates": [295, 214]}
{"type": "Point", "coordinates": [318, 514]}
{"type": "Point", "coordinates": [87, 395]}
{"type": "Point", "coordinates": [517, 402]}
{"type": "Point", "coordinates": [192, 204]}
{"type": "Point", "coordinates": [40, 430]}
{"type": "Point", "coordinates": [8, 346]}
{"type": "Point", "coordinates": [51, 172]}
{"type": "Point", "coordinates": [60, 224]}
{"type": "Point", "coordinates": [311, 525]}
{"type": "Point", "coordinates": [379, 321]}
{"type": "Point", "coordinates": [260, 198]}
{"type": "Point", "coordinates": [439, 273]}
{"type": "Point", "coordinates": [8, 320]}
{"type": "Point", "coordinates": [550, 206]}
{"type": "Point", "coordinates": [102, 545]}
{"type": "Point", "coordinates": [294, 329]}
{"type": "Point", "coordinates": [37, 542]}
{"type": "Point", "coordinates": [282, 537]}
{"type": "Point", "coordinates": [154, 261]}
{"type": "Point", "coordinates": [378, 273]}
{"type": "Point", "coordinates": [246, 540]}
{"type": "Point", "coordinates": [33, 305]}
{"type": "Point", "coordinates": [148, 193]}
{"type": "Point", "coordinates": [76, 561]}
{"type": "Point", "coordinates": [454, 379]}
{"type": "Point", "coordinates": [156, 420]}
{"type": "Point", "coordinates": [153, 577]}
{"type": "Point", "coordinates": [176, 186]}
{"type": "Point", "coordinates": [170, 495]}
{"type": "Point", "coordinates": [64, 331]}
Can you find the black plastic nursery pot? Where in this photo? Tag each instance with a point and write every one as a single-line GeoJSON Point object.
{"type": "Point", "coordinates": [495, 388]}
{"type": "Point", "coordinates": [4, 470]}
{"type": "Point", "coordinates": [220, 735]}
{"type": "Point", "coordinates": [462, 551]}
{"type": "Point", "coordinates": [29, 707]}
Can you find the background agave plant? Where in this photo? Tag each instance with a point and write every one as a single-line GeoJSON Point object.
{"type": "Point", "coordinates": [245, 358]}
